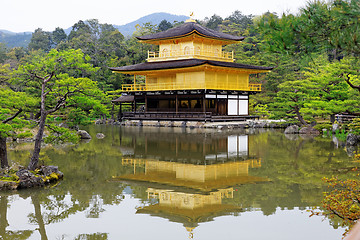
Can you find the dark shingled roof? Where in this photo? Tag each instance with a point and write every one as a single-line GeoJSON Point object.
{"type": "Point", "coordinates": [188, 28]}
{"type": "Point", "coordinates": [184, 64]}
{"type": "Point", "coordinates": [124, 98]}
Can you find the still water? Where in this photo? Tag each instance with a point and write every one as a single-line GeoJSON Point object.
{"type": "Point", "coordinates": [174, 183]}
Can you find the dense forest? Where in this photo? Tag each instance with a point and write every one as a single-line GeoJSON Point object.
{"type": "Point", "coordinates": [315, 54]}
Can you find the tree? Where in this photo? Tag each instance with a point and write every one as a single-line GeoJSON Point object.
{"type": "Point", "coordinates": [3, 52]}
{"type": "Point", "coordinates": [164, 25]}
{"type": "Point", "coordinates": [58, 36]}
{"type": "Point", "coordinates": [342, 201]}
{"type": "Point", "coordinates": [320, 27]}
{"type": "Point", "coordinates": [214, 22]}
{"type": "Point", "coordinates": [101, 42]}
{"type": "Point", "coordinates": [291, 99]}
{"type": "Point", "coordinates": [79, 28]}
{"type": "Point", "coordinates": [40, 40]}
{"type": "Point", "coordinates": [237, 24]}
{"type": "Point", "coordinates": [57, 80]}
{"type": "Point", "coordinates": [12, 104]}
{"type": "Point", "coordinates": [333, 94]}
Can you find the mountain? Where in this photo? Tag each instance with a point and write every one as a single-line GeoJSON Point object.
{"type": "Point", "coordinates": [12, 39]}
{"type": "Point", "coordinates": [155, 18]}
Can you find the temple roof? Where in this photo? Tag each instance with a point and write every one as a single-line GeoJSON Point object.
{"type": "Point", "coordinates": [161, 65]}
{"type": "Point", "coordinates": [124, 98]}
{"type": "Point", "coordinates": [189, 28]}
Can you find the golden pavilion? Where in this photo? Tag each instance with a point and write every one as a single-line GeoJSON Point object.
{"type": "Point", "coordinates": [190, 77]}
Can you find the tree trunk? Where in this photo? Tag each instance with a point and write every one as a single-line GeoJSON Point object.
{"type": "Point", "coordinates": [43, 114]}
{"type": "Point", "coordinates": [39, 218]}
{"type": "Point", "coordinates": [3, 153]}
{"type": "Point", "coordinates": [300, 118]}
{"type": "Point", "coordinates": [36, 154]}
{"type": "Point", "coordinates": [3, 215]}
{"type": "Point", "coordinates": [332, 118]}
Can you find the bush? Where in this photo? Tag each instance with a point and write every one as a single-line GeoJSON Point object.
{"type": "Point", "coordinates": [26, 134]}
{"type": "Point", "coordinates": [321, 126]}
{"type": "Point", "coordinates": [355, 126]}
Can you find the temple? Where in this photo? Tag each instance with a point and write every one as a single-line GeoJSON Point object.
{"type": "Point", "coordinates": [189, 78]}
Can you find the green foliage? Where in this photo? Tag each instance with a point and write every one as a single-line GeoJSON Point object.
{"type": "Point", "coordinates": [325, 125]}
{"type": "Point", "coordinates": [10, 177]}
{"type": "Point", "coordinates": [10, 103]}
{"type": "Point", "coordinates": [164, 25]}
{"type": "Point", "coordinates": [342, 200]}
{"type": "Point", "coordinates": [67, 88]}
{"type": "Point", "coordinates": [61, 135]}
{"type": "Point", "coordinates": [261, 110]}
{"type": "Point", "coordinates": [291, 99]}
{"type": "Point", "coordinates": [40, 40]}
{"type": "Point", "coordinates": [355, 126]}
{"type": "Point", "coordinates": [58, 36]}
{"type": "Point", "coordinates": [25, 134]}
{"type": "Point", "coordinates": [214, 22]}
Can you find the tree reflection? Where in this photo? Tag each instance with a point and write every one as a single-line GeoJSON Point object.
{"type": "Point", "coordinates": [6, 234]}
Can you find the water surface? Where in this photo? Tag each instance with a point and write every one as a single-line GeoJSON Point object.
{"type": "Point", "coordinates": [175, 183]}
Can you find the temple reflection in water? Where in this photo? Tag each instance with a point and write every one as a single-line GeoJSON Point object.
{"type": "Point", "coordinates": [188, 176]}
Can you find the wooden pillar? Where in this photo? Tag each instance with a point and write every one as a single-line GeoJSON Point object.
{"type": "Point", "coordinates": [120, 112]}
{"type": "Point", "coordinates": [204, 103]}
{"type": "Point", "coordinates": [146, 104]}
{"type": "Point", "coordinates": [176, 103]}
{"type": "Point", "coordinates": [134, 105]}
{"type": "Point", "coordinates": [134, 82]}
{"type": "Point", "coordinates": [112, 111]}
{"type": "Point", "coordinates": [216, 106]}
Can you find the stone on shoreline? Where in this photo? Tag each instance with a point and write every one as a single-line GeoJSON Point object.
{"type": "Point", "coordinates": [28, 180]}
{"type": "Point", "coordinates": [352, 139]}
{"type": "Point", "coordinates": [309, 131]}
{"type": "Point", "coordinates": [24, 178]}
{"type": "Point", "coordinates": [293, 129]}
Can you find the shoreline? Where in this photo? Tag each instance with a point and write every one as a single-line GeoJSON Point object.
{"type": "Point", "coordinates": [202, 124]}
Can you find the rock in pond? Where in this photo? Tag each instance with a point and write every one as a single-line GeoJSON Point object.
{"type": "Point", "coordinates": [28, 180]}
{"type": "Point", "coordinates": [100, 135]}
{"type": "Point", "coordinates": [309, 131]}
{"type": "Point", "coordinates": [352, 139]}
{"type": "Point", "coordinates": [83, 134]}
{"type": "Point", "coordinates": [23, 178]}
{"type": "Point", "coordinates": [49, 171]}
{"type": "Point", "coordinates": [293, 129]}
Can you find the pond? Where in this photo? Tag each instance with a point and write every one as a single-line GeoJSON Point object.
{"type": "Point", "coordinates": [176, 183]}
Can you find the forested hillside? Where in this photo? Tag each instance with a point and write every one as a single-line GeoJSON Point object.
{"type": "Point", "coordinates": [12, 39]}
{"type": "Point", "coordinates": [315, 54]}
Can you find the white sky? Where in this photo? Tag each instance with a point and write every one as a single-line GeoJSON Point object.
{"type": "Point", "coordinates": [27, 15]}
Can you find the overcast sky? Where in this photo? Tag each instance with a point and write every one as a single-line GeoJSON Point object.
{"type": "Point", "coordinates": [27, 15]}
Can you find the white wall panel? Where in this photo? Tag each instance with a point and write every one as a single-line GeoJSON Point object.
{"type": "Point", "coordinates": [232, 107]}
{"type": "Point", "coordinates": [243, 107]}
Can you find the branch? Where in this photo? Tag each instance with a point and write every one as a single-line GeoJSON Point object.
{"type": "Point", "coordinates": [347, 79]}
{"type": "Point", "coordinates": [49, 77]}
{"type": "Point", "coordinates": [57, 107]}
{"type": "Point", "coordinates": [36, 76]}
{"type": "Point", "coordinates": [12, 117]}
